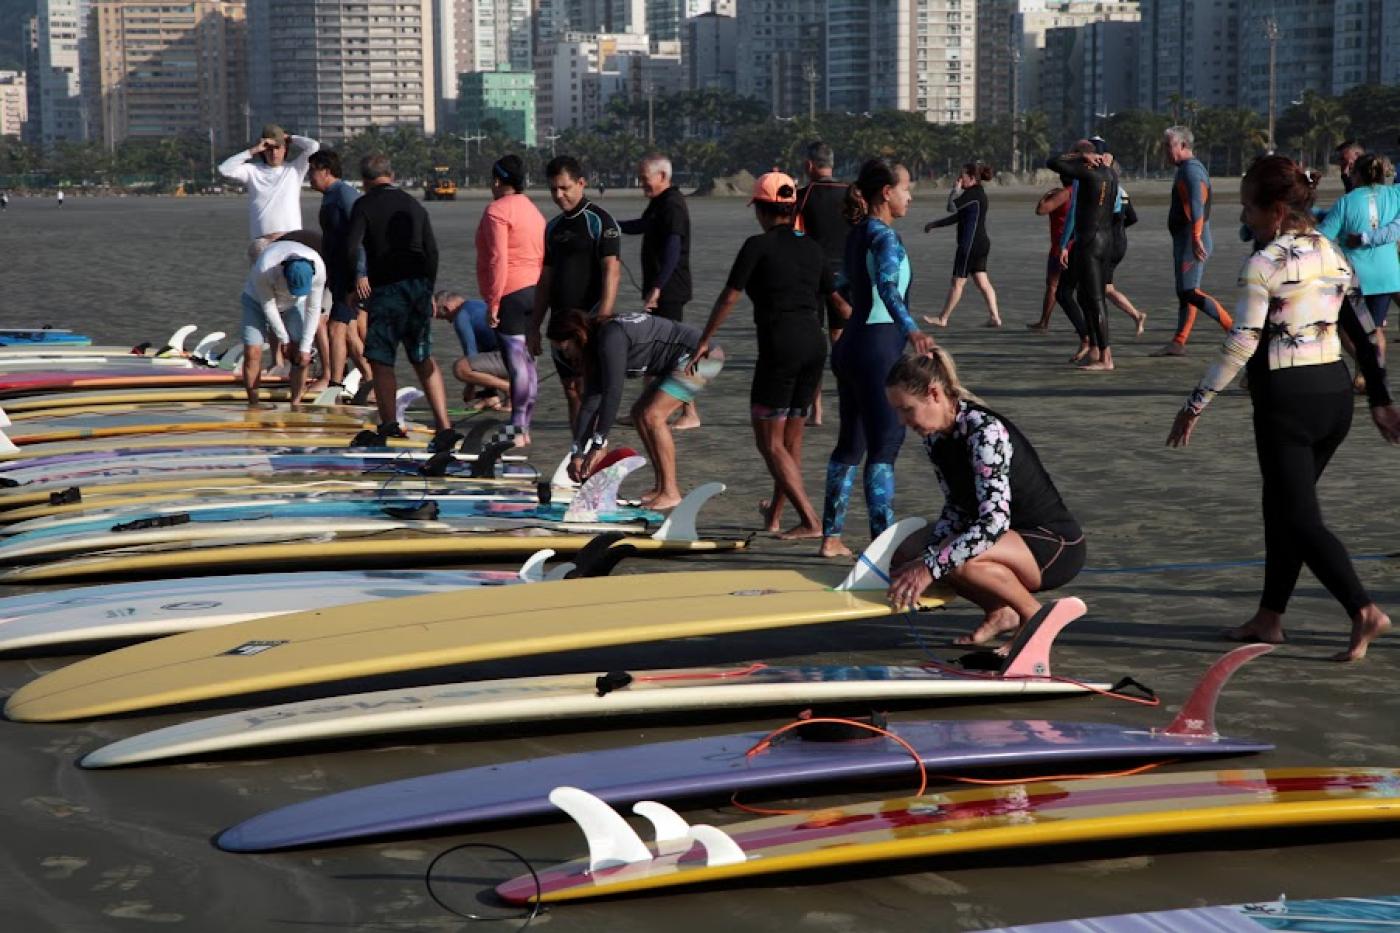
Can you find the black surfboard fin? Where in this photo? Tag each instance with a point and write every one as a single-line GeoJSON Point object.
{"type": "Point", "coordinates": [598, 557]}
{"type": "Point", "coordinates": [437, 464]}
{"type": "Point", "coordinates": [613, 680]}
{"type": "Point", "coordinates": [484, 467]}
{"type": "Point", "coordinates": [423, 512]}
{"type": "Point", "coordinates": [67, 496]}
{"type": "Point", "coordinates": [7, 483]}
{"type": "Point", "coordinates": [475, 438]}
{"type": "Point", "coordinates": [544, 492]}
{"type": "Point", "coordinates": [155, 521]}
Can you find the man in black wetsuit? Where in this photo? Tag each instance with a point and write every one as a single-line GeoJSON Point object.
{"type": "Point", "coordinates": [821, 215]}
{"type": "Point", "coordinates": [665, 230]}
{"type": "Point", "coordinates": [582, 266]}
{"type": "Point", "coordinates": [1093, 239]}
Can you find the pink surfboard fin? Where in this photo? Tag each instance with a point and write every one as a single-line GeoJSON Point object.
{"type": "Point", "coordinates": [1197, 716]}
{"type": "Point", "coordinates": [1029, 652]}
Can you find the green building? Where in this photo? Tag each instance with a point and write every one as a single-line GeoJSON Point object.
{"type": "Point", "coordinates": [506, 96]}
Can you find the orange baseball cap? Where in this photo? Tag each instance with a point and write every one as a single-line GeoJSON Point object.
{"type": "Point", "coordinates": [774, 188]}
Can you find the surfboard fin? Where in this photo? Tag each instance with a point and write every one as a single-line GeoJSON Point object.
{"type": "Point", "coordinates": [175, 346]}
{"type": "Point", "coordinates": [672, 832]}
{"type": "Point", "coordinates": [561, 474]}
{"type": "Point", "coordinates": [232, 359]}
{"type": "Point", "coordinates": [611, 842]}
{"type": "Point", "coordinates": [680, 524]}
{"type": "Point", "coordinates": [532, 571]}
{"type": "Point", "coordinates": [1029, 652]}
{"type": "Point", "coordinates": [352, 384]}
{"type": "Point", "coordinates": [204, 350]}
{"type": "Point", "coordinates": [600, 555]}
{"type": "Point", "coordinates": [720, 848]}
{"type": "Point", "coordinates": [7, 446]}
{"type": "Point", "coordinates": [405, 398]}
{"type": "Point", "coordinates": [484, 466]}
{"type": "Point", "coordinates": [1197, 716]}
{"type": "Point", "coordinates": [598, 494]}
{"type": "Point", "coordinates": [4, 419]}
{"type": "Point", "coordinates": [872, 569]}
{"type": "Point", "coordinates": [475, 436]}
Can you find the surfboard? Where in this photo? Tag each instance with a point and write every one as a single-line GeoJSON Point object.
{"type": "Point", "coordinates": [167, 414]}
{"type": "Point", "coordinates": [63, 619]}
{"type": "Point", "coordinates": [583, 696]}
{"type": "Point", "coordinates": [1330, 915]}
{"type": "Point", "coordinates": [116, 397]}
{"type": "Point", "coordinates": [175, 442]}
{"type": "Point", "coordinates": [22, 336]}
{"type": "Point", "coordinates": [317, 648]}
{"type": "Point", "coordinates": [594, 508]}
{"type": "Point", "coordinates": [709, 766]}
{"type": "Point", "coordinates": [987, 819]}
{"type": "Point", "coordinates": [326, 430]}
{"type": "Point", "coordinates": [26, 383]}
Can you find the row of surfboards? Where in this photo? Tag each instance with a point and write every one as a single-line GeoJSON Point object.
{"type": "Point", "coordinates": [153, 508]}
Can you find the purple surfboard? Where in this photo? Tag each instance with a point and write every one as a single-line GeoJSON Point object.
{"type": "Point", "coordinates": [722, 764]}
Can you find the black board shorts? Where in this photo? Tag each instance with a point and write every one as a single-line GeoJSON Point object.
{"type": "Point", "coordinates": [1059, 552]}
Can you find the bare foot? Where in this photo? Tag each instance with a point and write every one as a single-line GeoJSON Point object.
{"type": "Point", "coordinates": [1171, 349]}
{"type": "Point", "coordinates": [1264, 627]}
{"type": "Point", "coordinates": [1141, 323]}
{"type": "Point", "coordinates": [1082, 352]}
{"type": "Point", "coordinates": [996, 623]}
{"type": "Point", "coordinates": [935, 321]}
{"type": "Point", "coordinates": [993, 322]}
{"type": "Point", "coordinates": [1038, 328]}
{"type": "Point", "coordinates": [770, 522]}
{"type": "Point", "coordinates": [646, 497]}
{"type": "Point", "coordinates": [832, 547]}
{"type": "Point", "coordinates": [319, 386]}
{"type": "Point", "coordinates": [1098, 366]}
{"type": "Point", "coordinates": [521, 440]}
{"type": "Point", "coordinates": [668, 500]}
{"type": "Point", "coordinates": [799, 532]}
{"type": "Point", "coordinates": [1369, 624]}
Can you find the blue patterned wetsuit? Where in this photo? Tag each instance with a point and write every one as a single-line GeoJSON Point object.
{"type": "Point", "coordinates": [878, 271]}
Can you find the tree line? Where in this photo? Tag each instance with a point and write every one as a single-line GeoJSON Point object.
{"type": "Point", "coordinates": [710, 134]}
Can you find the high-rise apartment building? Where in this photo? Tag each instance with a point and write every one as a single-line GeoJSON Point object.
{"type": "Point", "coordinates": [709, 52]}
{"type": "Point", "coordinates": [781, 51]}
{"type": "Point", "coordinates": [586, 71]}
{"type": "Point", "coordinates": [999, 55]}
{"type": "Point", "coordinates": [944, 60]}
{"type": "Point", "coordinates": [478, 35]}
{"type": "Point", "coordinates": [869, 56]}
{"type": "Point", "coordinates": [30, 38]}
{"type": "Point", "coordinates": [665, 19]}
{"type": "Point", "coordinates": [1087, 75]}
{"type": "Point", "coordinates": [14, 103]}
{"type": "Point", "coordinates": [168, 67]}
{"type": "Point", "coordinates": [1303, 56]}
{"type": "Point", "coordinates": [61, 111]}
{"type": "Point", "coordinates": [1189, 48]}
{"type": "Point", "coordinates": [330, 69]}
{"type": "Point", "coordinates": [1390, 44]}
{"type": "Point", "coordinates": [1030, 25]}
{"type": "Point", "coordinates": [1357, 43]}
{"type": "Point", "coordinates": [507, 97]}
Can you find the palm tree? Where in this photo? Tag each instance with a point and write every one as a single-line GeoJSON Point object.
{"type": "Point", "coordinates": [1034, 139]}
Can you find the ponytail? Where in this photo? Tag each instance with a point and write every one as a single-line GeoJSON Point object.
{"type": "Point", "coordinates": [868, 190]}
{"type": "Point", "coordinates": [914, 374]}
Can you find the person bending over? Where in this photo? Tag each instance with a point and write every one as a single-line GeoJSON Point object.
{"type": "Point", "coordinates": [1004, 533]}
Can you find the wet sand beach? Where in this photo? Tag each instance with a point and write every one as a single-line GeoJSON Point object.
{"type": "Point", "coordinates": [1174, 543]}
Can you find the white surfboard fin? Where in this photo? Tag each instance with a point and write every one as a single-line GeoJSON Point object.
{"type": "Point", "coordinates": [561, 572]}
{"type": "Point", "coordinates": [720, 847]}
{"type": "Point", "coordinates": [327, 397]}
{"type": "Point", "coordinates": [4, 419]}
{"type": "Point", "coordinates": [232, 359]}
{"type": "Point", "coordinates": [680, 524]}
{"type": "Point", "coordinates": [1197, 716]}
{"type": "Point", "coordinates": [175, 346]}
{"type": "Point", "coordinates": [598, 494]}
{"type": "Point", "coordinates": [532, 571]}
{"type": "Point", "coordinates": [352, 383]}
{"type": "Point", "coordinates": [560, 479]}
{"type": "Point", "coordinates": [872, 569]}
{"type": "Point", "coordinates": [1028, 655]}
{"type": "Point", "coordinates": [204, 350]}
{"type": "Point", "coordinates": [7, 446]}
{"type": "Point", "coordinates": [672, 831]}
{"type": "Point", "coordinates": [405, 399]}
{"type": "Point", "coordinates": [611, 842]}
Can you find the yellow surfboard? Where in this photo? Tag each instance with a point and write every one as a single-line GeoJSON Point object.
{"type": "Point", "coordinates": [424, 632]}
{"type": "Point", "coordinates": [103, 398]}
{"type": "Point", "coordinates": [220, 438]}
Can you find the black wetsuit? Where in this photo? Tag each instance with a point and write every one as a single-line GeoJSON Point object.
{"type": "Point", "coordinates": [1123, 218]}
{"type": "Point", "coordinates": [970, 214]}
{"type": "Point", "coordinates": [628, 345]}
{"type": "Point", "coordinates": [820, 208]}
{"type": "Point", "coordinates": [786, 276]}
{"type": "Point", "coordinates": [993, 482]}
{"type": "Point", "coordinates": [665, 230]}
{"type": "Point", "coordinates": [575, 244]}
{"type": "Point", "coordinates": [1093, 241]}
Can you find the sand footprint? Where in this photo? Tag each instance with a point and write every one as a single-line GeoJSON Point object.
{"type": "Point", "coordinates": [54, 806]}
{"type": "Point", "coordinates": [141, 910]}
{"type": "Point", "coordinates": [62, 866]}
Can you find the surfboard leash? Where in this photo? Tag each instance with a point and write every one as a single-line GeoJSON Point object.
{"type": "Point", "coordinates": [535, 905]}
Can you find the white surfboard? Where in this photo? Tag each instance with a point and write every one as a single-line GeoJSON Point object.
{"type": "Point", "coordinates": [569, 696]}
{"type": "Point", "coordinates": [129, 611]}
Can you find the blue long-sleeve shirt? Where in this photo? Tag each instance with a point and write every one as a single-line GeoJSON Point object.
{"type": "Point", "coordinates": [334, 216]}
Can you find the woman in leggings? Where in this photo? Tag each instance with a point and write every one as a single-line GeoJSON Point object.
{"type": "Point", "coordinates": [967, 207]}
{"type": "Point", "coordinates": [1285, 334]}
{"type": "Point", "coordinates": [1004, 532]}
{"type": "Point", "coordinates": [877, 269]}
{"type": "Point", "coordinates": [509, 257]}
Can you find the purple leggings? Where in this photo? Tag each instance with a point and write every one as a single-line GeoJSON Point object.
{"type": "Point", "coordinates": [524, 383]}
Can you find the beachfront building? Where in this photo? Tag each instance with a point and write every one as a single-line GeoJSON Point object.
{"type": "Point", "coordinates": [60, 114]}
{"type": "Point", "coordinates": [709, 54]}
{"type": "Point", "coordinates": [666, 19]}
{"type": "Point", "coordinates": [1187, 50]}
{"type": "Point", "coordinates": [14, 103]}
{"type": "Point", "coordinates": [330, 70]}
{"type": "Point", "coordinates": [781, 52]}
{"type": "Point", "coordinates": [1390, 43]}
{"type": "Point", "coordinates": [165, 68]}
{"type": "Point", "coordinates": [478, 36]}
{"type": "Point", "coordinates": [1087, 75]}
{"type": "Point", "coordinates": [505, 96]}
{"type": "Point", "coordinates": [1358, 34]}
{"type": "Point", "coordinates": [1303, 55]}
{"type": "Point", "coordinates": [585, 72]}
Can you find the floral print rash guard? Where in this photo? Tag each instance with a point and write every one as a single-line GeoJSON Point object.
{"type": "Point", "coordinates": [1294, 298]}
{"type": "Point", "coordinates": [959, 534]}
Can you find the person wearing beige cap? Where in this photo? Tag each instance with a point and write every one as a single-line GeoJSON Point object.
{"type": "Point", "coordinates": [789, 281]}
{"type": "Point", "coordinates": [273, 181]}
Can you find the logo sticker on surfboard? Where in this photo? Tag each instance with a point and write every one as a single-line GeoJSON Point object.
{"type": "Point", "coordinates": [753, 592]}
{"type": "Point", "coordinates": [250, 648]}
